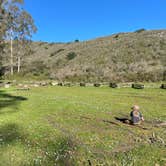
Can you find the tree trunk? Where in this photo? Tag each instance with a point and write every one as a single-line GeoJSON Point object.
{"type": "Point", "coordinates": [18, 64]}
{"type": "Point", "coordinates": [11, 53]}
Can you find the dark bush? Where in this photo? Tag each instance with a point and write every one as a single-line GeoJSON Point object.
{"type": "Point", "coordinates": [60, 84]}
{"type": "Point", "coordinates": [113, 85]}
{"type": "Point", "coordinates": [82, 84]}
{"type": "Point", "coordinates": [76, 41]}
{"type": "Point", "coordinates": [140, 30]}
{"type": "Point", "coordinates": [71, 55]}
{"type": "Point", "coordinates": [97, 84]}
{"type": "Point", "coordinates": [137, 86]}
{"type": "Point", "coordinates": [163, 86]}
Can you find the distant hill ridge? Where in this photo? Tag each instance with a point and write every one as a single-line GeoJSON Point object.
{"type": "Point", "coordinates": [137, 56]}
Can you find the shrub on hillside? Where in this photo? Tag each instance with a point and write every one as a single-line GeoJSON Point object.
{"type": "Point", "coordinates": [140, 30]}
{"type": "Point", "coordinates": [71, 55]}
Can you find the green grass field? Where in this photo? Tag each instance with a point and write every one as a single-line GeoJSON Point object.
{"type": "Point", "coordinates": [70, 126]}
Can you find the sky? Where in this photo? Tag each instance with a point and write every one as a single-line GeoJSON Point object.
{"type": "Point", "coordinates": [68, 20]}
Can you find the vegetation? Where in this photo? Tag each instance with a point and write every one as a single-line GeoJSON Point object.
{"type": "Point", "coordinates": [121, 57]}
{"type": "Point", "coordinates": [77, 126]}
{"type": "Point", "coordinates": [16, 26]}
{"type": "Point", "coordinates": [71, 55]}
{"type": "Point", "coordinates": [140, 30]}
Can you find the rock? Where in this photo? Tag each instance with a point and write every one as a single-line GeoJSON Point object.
{"type": "Point", "coordinates": [137, 86]}
{"type": "Point", "coordinates": [43, 84]}
{"type": "Point", "coordinates": [54, 83]}
{"type": "Point", "coordinates": [35, 85]}
{"type": "Point", "coordinates": [67, 84]}
{"type": "Point", "coordinates": [7, 85]}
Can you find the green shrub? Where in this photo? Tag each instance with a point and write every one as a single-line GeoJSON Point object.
{"type": "Point", "coordinates": [71, 55]}
{"type": "Point", "coordinates": [140, 30]}
{"type": "Point", "coordinates": [163, 86]}
{"type": "Point", "coordinates": [97, 84]}
{"type": "Point", "coordinates": [82, 84]}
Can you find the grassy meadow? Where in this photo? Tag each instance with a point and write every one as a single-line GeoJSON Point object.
{"type": "Point", "coordinates": [70, 126]}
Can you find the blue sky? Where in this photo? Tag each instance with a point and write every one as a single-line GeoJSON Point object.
{"type": "Point", "coordinates": [67, 20]}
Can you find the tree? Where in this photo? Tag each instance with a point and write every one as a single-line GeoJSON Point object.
{"type": "Point", "coordinates": [24, 32]}
{"type": "Point", "coordinates": [3, 26]}
{"type": "Point", "coordinates": [19, 28]}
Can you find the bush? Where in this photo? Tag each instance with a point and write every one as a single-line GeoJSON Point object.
{"type": "Point", "coordinates": [163, 86]}
{"type": "Point", "coordinates": [76, 41]}
{"type": "Point", "coordinates": [140, 30]}
{"type": "Point", "coordinates": [71, 55]}
{"type": "Point", "coordinates": [97, 84]}
{"type": "Point", "coordinates": [82, 84]}
{"type": "Point", "coordinates": [60, 84]}
{"type": "Point", "coordinates": [113, 85]}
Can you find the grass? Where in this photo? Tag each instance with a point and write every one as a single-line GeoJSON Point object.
{"type": "Point", "coordinates": [76, 126]}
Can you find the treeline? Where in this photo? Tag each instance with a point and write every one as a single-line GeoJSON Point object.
{"type": "Point", "coordinates": [16, 29]}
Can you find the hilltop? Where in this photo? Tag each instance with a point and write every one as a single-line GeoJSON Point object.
{"type": "Point", "coordinates": [136, 56]}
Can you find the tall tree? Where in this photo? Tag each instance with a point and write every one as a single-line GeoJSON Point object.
{"type": "Point", "coordinates": [24, 32]}
{"type": "Point", "coordinates": [20, 26]}
{"type": "Point", "coordinates": [3, 26]}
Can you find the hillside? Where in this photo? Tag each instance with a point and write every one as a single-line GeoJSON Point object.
{"type": "Point", "coordinates": [137, 56]}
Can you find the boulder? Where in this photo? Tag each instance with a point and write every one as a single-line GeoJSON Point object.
{"type": "Point", "coordinates": [137, 86]}
{"type": "Point", "coordinates": [7, 85]}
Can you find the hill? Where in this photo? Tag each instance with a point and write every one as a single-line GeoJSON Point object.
{"type": "Point", "coordinates": [137, 56]}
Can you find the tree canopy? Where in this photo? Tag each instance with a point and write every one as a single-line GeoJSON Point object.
{"type": "Point", "coordinates": [15, 24]}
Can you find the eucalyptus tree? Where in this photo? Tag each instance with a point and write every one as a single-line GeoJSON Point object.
{"type": "Point", "coordinates": [3, 27]}
{"type": "Point", "coordinates": [25, 30]}
{"type": "Point", "coordinates": [19, 28]}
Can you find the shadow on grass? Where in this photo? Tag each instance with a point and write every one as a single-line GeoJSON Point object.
{"type": "Point", "coordinates": [9, 133]}
{"type": "Point", "coordinates": [7, 100]}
